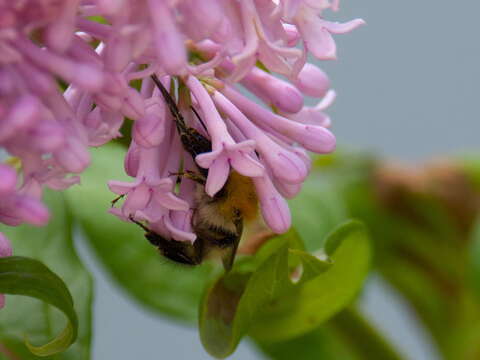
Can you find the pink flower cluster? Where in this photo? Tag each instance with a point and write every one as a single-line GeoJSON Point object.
{"type": "Point", "coordinates": [209, 47]}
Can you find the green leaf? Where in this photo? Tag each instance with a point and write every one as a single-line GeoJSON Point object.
{"type": "Point", "coordinates": [22, 315]}
{"type": "Point", "coordinates": [231, 304]}
{"type": "Point", "coordinates": [123, 250]}
{"type": "Point", "coordinates": [28, 277]}
{"type": "Point", "coordinates": [337, 236]}
{"type": "Point", "coordinates": [322, 297]}
{"type": "Point", "coordinates": [311, 266]}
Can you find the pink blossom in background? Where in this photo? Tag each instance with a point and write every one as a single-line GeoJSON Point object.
{"type": "Point", "coordinates": [209, 47]}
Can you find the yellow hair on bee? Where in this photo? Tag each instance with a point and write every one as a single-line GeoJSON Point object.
{"type": "Point", "coordinates": [240, 195]}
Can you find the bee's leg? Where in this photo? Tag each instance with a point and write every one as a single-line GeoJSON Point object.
{"type": "Point", "coordinates": [139, 224]}
{"type": "Point", "coordinates": [114, 201]}
{"type": "Point", "coordinates": [233, 241]}
{"type": "Point", "coordinates": [192, 175]}
{"type": "Point", "coordinates": [198, 250]}
{"type": "Point", "coordinates": [230, 252]}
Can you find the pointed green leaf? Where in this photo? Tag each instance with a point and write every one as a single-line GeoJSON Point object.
{"type": "Point", "coordinates": [311, 266]}
{"type": "Point", "coordinates": [28, 277]}
{"type": "Point", "coordinates": [322, 297]}
{"type": "Point", "coordinates": [337, 236]}
{"type": "Point", "coordinates": [230, 306]}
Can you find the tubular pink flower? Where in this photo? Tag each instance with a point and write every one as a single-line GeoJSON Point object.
{"type": "Point", "coordinates": [102, 126]}
{"type": "Point", "coordinates": [273, 206]}
{"type": "Point", "coordinates": [59, 33]}
{"type": "Point", "coordinates": [314, 138]}
{"type": "Point", "coordinates": [150, 130]}
{"type": "Point", "coordinates": [278, 58]}
{"type": "Point", "coordinates": [83, 75]}
{"type": "Point", "coordinates": [200, 19]}
{"type": "Point", "coordinates": [150, 197]}
{"type": "Point", "coordinates": [316, 32]}
{"type": "Point", "coordinates": [315, 115]}
{"type": "Point", "coordinates": [312, 81]}
{"type": "Point", "coordinates": [168, 40]}
{"type": "Point", "coordinates": [132, 159]}
{"type": "Point", "coordinates": [73, 156]}
{"type": "Point", "coordinates": [288, 191]}
{"type": "Point", "coordinates": [181, 219]}
{"type": "Point", "coordinates": [8, 180]}
{"type": "Point", "coordinates": [273, 91]}
{"type": "Point", "coordinates": [118, 53]}
{"type": "Point", "coordinates": [225, 151]}
{"type": "Point", "coordinates": [284, 164]}
{"type": "Point", "coordinates": [24, 113]}
{"type": "Point", "coordinates": [148, 186]}
{"type": "Point", "coordinates": [292, 34]}
{"type": "Point", "coordinates": [17, 209]}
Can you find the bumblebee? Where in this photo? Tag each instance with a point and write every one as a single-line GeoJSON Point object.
{"type": "Point", "coordinates": [217, 221]}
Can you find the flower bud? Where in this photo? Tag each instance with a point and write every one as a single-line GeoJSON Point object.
{"type": "Point", "coordinates": [274, 91]}
{"type": "Point", "coordinates": [118, 54]}
{"type": "Point", "coordinates": [133, 106]}
{"type": "Point", "coordinates": [273, 206]}
{"type": "Point", "coordinates": [168, 41]}
{"type": "Point", "coordinates": [132, 159]}
{"type": "Point", "coordinates": [312, 81]}
{"type": "Point", "coordinates": [73, 156]}
{"type": "Point", "coordinates": [24, 113]}
{"type": "Point", "coordinates": [31, 210]}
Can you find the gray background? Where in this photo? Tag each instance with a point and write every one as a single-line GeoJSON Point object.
{"type": "Point", "coordinates": [408, 87]}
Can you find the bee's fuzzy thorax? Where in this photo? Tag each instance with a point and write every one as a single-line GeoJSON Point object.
{"type": "Point", "coordinates": [240, 195]}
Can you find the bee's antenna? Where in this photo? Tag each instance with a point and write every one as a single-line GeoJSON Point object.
{"type": "Point", "coordinates": [171, 105]}
{"type": "Point", "coordinates": [199, 118]}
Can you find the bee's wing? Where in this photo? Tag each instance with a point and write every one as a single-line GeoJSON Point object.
{"type": "Point", "coordinates": [228, 256]}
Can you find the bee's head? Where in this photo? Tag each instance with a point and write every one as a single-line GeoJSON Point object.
{"type": "Point", "coordinates": [181, 252]}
